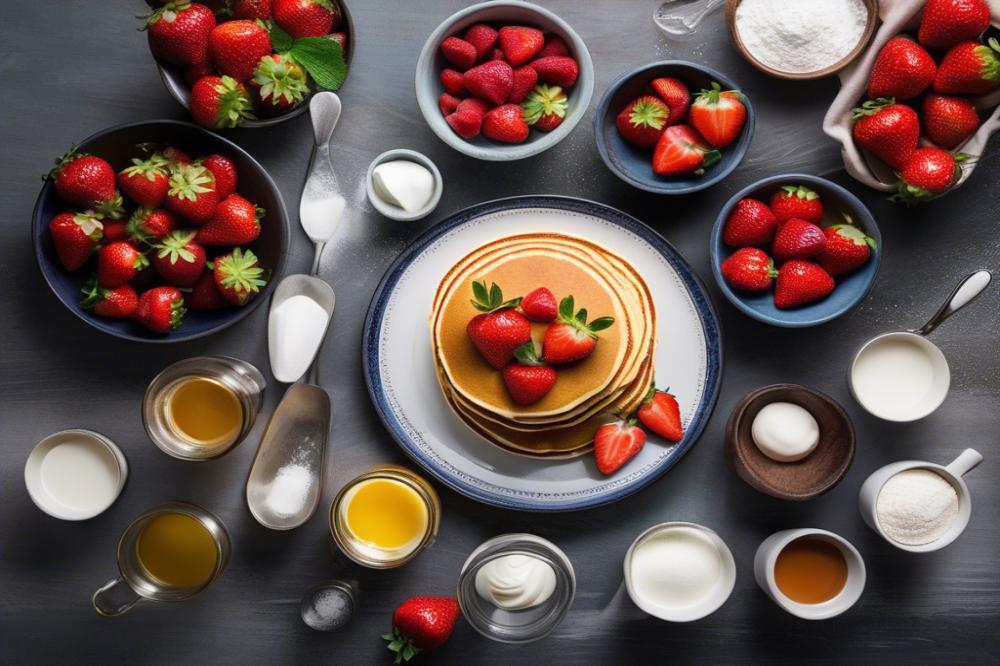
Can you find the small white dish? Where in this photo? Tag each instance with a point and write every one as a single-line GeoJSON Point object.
{"type": "Point", "coordinates": [767, 555]}
{"type": "Point", "coordinates": [395, 212]}
{"type": "Point", "coordinates": [952, 473]}
{"type": "Point", "coordinates": [75, 474]}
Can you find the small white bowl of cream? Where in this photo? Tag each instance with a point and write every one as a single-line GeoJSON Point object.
{"type": "Point", "coordinates": [679, 572]}
{"type": "Point", "coordinates": [404, 185]}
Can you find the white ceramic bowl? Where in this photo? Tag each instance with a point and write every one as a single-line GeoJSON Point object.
{"type": "Point", "coordinates": [395, 212]}
{"type": "Point", "coordinates": [430, 63]}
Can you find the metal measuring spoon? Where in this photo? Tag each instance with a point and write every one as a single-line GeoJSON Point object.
{"type": "Point", "coordinates": [322, 205]}
{"type": "Point", "coordinates": [679, 19]}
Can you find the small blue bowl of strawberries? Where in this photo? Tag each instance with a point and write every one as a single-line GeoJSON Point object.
{"type": "Point", "coordinates": [159, 231]}
{"type": "Point", "coordinates": [795, 250]}
{"type": "Point", "coordinates": [673, 127]}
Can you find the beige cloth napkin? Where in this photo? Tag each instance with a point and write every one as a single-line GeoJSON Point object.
{"type": "Point", "coordinates": [897, 16]}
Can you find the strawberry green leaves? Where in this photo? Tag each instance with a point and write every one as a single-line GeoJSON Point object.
{"type": "Point", "coordinates": [321, 57]}
{"type": "Point", "coordinates": [489, 300]}
{"type": "Point", "coordinates": [281, 41]}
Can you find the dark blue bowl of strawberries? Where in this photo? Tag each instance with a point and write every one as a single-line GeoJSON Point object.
{"type": "Point", "coordinates": [159, 232]}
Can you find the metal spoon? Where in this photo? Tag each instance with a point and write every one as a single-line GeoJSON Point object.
{"type": "Point", "coordinates": [322, 205]}
{"type": "Point", "coordinates": [680, 18]}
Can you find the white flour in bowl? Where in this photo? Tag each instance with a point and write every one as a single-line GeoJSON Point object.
{"type": "Point", "coordinates": [800, 37]}
{"type": "Point", "coordinates": [916, 506]}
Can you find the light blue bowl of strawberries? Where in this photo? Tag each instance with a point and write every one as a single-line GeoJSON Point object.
{"type": "Point", "coordinates": [795, 250]}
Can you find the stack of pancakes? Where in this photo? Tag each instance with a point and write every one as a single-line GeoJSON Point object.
{"type": "Point", "coordinates": [606, 385]}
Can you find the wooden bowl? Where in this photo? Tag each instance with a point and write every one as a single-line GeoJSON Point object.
{"type": "Point", "coordinates": [804, 479]}
{"type": "Point", "coordinates": [872, 6]}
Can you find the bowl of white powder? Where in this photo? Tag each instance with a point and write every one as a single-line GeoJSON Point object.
{"type": "Point", "coordinates": [801, 40]}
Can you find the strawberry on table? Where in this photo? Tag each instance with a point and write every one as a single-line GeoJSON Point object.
{"type": "Point", "coordinates": [545, 108]}
{"type": "Point", "coordinates": [482, 37]}
{"type": "Point", "coordinates": [797, 239]}
{"type": "Point", "coordinates": [570, 338]}
{"type": "Point", "coordinates": [179, 259]}
{"type": "Point", "coordinates": [750, 223]}
{"type": "Point", "coordinates": [178, 32]}
{"type": "Point", "coordinates": [660, 413]}
{"type": "Point", "coordinates": [161, 309]}
{"type": "Point", "coordinates": [147, 224]}
{"type": "Point", "coordinates": [642, 120]}
{"type": "Point", "coordinates": [930, 172]}
{"type": "Point", "coordinates": [718, 115]}
{"type": "Point", "coordinates": [676, 95]}
{"type": "Point", "coordinates": [554, 46]}
{"type": "Point", "coordinates": [238, 277]}
{"type": "Point", "coordinates": [87, 181]}
{"type": "Point", "coordinates": [451, 81]}
{"type": "Point", "coordinates": [421, 624]}
{"type": "Point", "coordinates": [540, 306]}
{"type": "Point", "coordinates": [218, 102]}
{"type": "Point", "coordinates": [969, 68]}
{"type": "Point", "coordinates": [616, 443]}
{"type": "Point", "coordinates": [204, 295]}
{"type": "Point", "coordinates": [121, 302]}
{"type": "Point", "coordinates": [236, 221]}
{"type": "Point", "coordinates": [749, 269]}
{"type": "Point", "coordinates": [75, 236]}
{"type": "Point", "coordinates": [192, 193]}
{"type": "Point", "coordinates": [949, 121]}
{"type": "Point", "coordinates": [801, 282]}
{"type": "Point", "coordinates": [500, 329]}
{"type": "Point", "coordinates": [528, 379]}
{"type": "Point", "coordinates": [557, 70]}
{"type": "Point", "coordinates": [278, 82]}
{"type": "Point", "coordinates": [119, 262]}
{"type": "Point", "coordinates": [945, 23]}
{"type": "Point", "coordinates": [225, 173]}
{"type": "Point", "coordinates": [902, 70]}
{"type": "Point", "coordinates": [847, 249]}
{"type": "Point", "coordinates": [888, 130]}
{"type": "Point", "coordinates": [505, 124]}
{"type": "Point", "coordinates": [491, 81]}
{"type": "Point", "coordinates": [520, 43]}
{"type": "Point", "coordinates": [146, 182]}
{"type": "Point", "coordinates": [306, 18]}
{"type": "Point", "coordinates": [525, 79]}
{"type": "Point", "coordinates": [459, 53]}
{"type": "Point", "coordinates": [236, 47]}
{"type": "Point", "coordinates": [682, 151]}
{"type": "Point", "coordinates": [797, 201]}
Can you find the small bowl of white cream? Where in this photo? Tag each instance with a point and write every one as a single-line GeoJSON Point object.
{"type": "Point", "coordinates": [516, 588]}
{"type": "Point", "coordinates": [679, 572]}
{"type": "Point", "coordinates": [404, 185]}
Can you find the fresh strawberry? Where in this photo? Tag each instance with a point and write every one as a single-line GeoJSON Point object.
{"type": "Point", "coordinates": [219, 102]}
{"type": "Point", "coordinates": [204, 295]}
{"type": "Point", "coordinates": [888, 130]}
{"type": "Point", "coordinates": [498, 55]}
{"type": "Point", "coordinates": [120, 302]}
{"type": "Point", "coordinates": [616, 443]}
{"type": "Point", "coordinates": [236, 222]}
{"type": "Point", "coordinates": [114, 230]}
{"type": "Point", "coordinates": [192, 193]}
{"type": "Point", "coordinates": [902, 70]}
{"type": "Point", "coordinates": [146, 182]}
{"type": "Point", "coordinates": [306, 18]}
{"type": "Point", "coordinates": [236, 47]}
{"type": "Point", "coordinates": [119, 262]}
{"type": "Point", "coordinates": [225, 173]}
{"type": "Point", "coordinates": [466, 123]}
{"type": "Point", "coordinates": [797, 201]}
{"type": "Point", "coordinates": [179, 259]}
{"type": "Point", "coordinates": [278, 83]}
{"type": "Point", "coordinates": [199, 69]}
{"type": "Point", "coordinates": [477, 106]}
{"type": "Point", "coordinates": [642, 120]}
{"type": "Point", "coordinates": [847, 249]}
{"type": "Point", "coordinates": [482, 37]}
{"type": "Point", "coordinates": [682, 151]}
{"type": "Point", "coordinates": [459, 53]}
{"type": "Point", "coordinates": [451, 81]}
{"type": "Point", "coordinates": [525, 79]}
{"type": "Point", "coordinates": [527, 378]}
{"type": "Point", "coordinates": [930, 172]}
{"type": "Point", "coordinates": [520, 44]}
{"type": "Point", "coordinates": [148, 224]}
{"type": "Point", "coordinates": [249, 9]}
{"type": "Point", "coordinates": [161, 309]}
{"type": "Point", "coordinates": [660, 413]}
{"type": "Point", "coordinates": [718, 115]}
{"type": "Point", "coordinates": [238, 277]}
{"type": "Point", "coordinates": [676, 95]}
{"type": "Point", "coordinates": [801, 282]}
{"type": "Point", "coordinates": [176, 157]}
{"type": "Point", "coordinates": [448, 104]}
{"type": "Point", "coordinates": [570, 338]}
{"type": "Point", "coordinates": [557, 70]}
{"type": "Point", "coordinates": [554, 46]}
{"type": "Point", "coordinates": [492, 81]}
{"type": "Point", "coordinates": [969, 68]}
{"type": "Point", "coordinates": [749, 269]}
{"type": "Point", "coordinates": [500, 329]}
{"type": "Point", "coordinates": [540, 305]}
{"type": "Point", "coordinates": [797, 239]}
{"type": "Point", "coordinates": [75, 236]}
{"type": "Point", "coordinates": [545, 107]}
{"type": "Point", "coordinates": [750, 223]}
{"type": "Point", "coordinates": [87, 181]}
{"type": "Point", "coordinates": [949, 121]}
{"type": "Point", "coordinates": [421, 624]}
{"type": "Point", "coordinates": [505, 124]}
{"type": "Point", "coordinates": [178, 32]}
{"type": "Point", "coordinates": [947, 22]}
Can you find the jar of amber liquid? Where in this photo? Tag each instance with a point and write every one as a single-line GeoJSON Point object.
{"type": "Point", "coordinates": [385, 517]}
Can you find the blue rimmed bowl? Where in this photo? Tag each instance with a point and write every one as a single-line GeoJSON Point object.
{"type": "Point", "coordinates": [633, 164]}
{"type": "Point", "coordinates": [850, 289]}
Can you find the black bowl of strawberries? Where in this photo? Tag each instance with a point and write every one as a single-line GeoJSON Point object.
{"type": "Point", "coordinates": [249, 63]}
{"type": "Point", "coordinates": [159, 231]}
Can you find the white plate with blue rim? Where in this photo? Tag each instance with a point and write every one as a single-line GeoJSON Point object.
{"type": "Point", "coordinates": [399, 366]}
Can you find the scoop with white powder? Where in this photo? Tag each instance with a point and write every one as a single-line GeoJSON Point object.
{"type": "Point", "coordinates": [916, 506]}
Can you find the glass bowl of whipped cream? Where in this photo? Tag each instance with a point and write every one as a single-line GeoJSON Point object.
{"type": "Point", "coordinates": [516, 588]}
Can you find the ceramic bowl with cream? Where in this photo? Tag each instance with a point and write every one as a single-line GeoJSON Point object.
{"type": "Point", "coordinates": [404, 185]}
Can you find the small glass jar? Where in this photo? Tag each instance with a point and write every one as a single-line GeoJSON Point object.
{"type": "Point", "coordinates": [241, 379]}
{"type": "Point", "coordinates": [528, 624]}
{"type": "Point", "coordinates": [367, 552]}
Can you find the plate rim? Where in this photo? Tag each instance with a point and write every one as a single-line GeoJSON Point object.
{"type": "Point", "coordinates": [707, 314]}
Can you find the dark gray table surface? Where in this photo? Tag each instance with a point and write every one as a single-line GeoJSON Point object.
{"type": "Point", "coordinates": [71, 68]}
